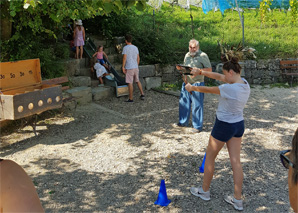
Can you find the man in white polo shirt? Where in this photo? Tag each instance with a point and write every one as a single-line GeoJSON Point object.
{"type": "Point", "coordinates": [130, 67]}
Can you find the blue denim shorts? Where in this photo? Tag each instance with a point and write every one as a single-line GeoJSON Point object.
{"type": "Point", "coordinates": [101, 61]}
{"type": "Point", "coordinates": [224, 131]}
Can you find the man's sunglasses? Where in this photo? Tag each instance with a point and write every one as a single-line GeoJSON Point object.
{"type": "Point", "coordinates": [285, 160]}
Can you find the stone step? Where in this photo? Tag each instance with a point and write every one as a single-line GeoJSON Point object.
{"type": "Point", "coordinates": [102, 92]}
{"type": "Point", "coordinates": [109, 50]}
{"type": "Point", "coordinates": [78, 81]}
{"type": "Point", "coordinates": [100, 42]}
{"type": "Point", "coordinates": [83, 95]}
{"type": "Point", "coordinates": [83, 63]}
{"type": "Point", "coordinates": [118, 67]}
{"type": "Point", "coordinates": [97, 40]}
{"type": "Point", "coordinates": [94, 83]}
{"type": "Point", "coordinates": [114, 58]}
{"type": "Point", "coordinates": [84, 72]}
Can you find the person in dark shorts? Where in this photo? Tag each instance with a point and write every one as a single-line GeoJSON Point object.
{"type": "Point", "coordinates": [289, 159]}
{"type": "Point", "coordinates": [228, 128]}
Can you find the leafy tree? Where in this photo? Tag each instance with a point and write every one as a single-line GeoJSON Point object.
{"type": "Point", "coordinates": [32, 28]}
{"type": "Point", "coordinates": [49, 16]}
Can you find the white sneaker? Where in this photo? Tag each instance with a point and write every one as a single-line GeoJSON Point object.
{"type": "Point", "coordinates": [199, 192]}
{"type": "Point", "coordinates": [238, 204]}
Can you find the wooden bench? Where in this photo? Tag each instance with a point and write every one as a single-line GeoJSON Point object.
{"type": "Point", "coordinates": [289, 69]}
{"type": "Point", "coordinates": [60, 80]}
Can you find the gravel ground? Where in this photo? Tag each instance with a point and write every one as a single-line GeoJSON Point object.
{"type": "Point", "coordinates": [111, 156]}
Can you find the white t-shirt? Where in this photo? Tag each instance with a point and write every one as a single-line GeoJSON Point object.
{"type": "Point", "coordinates": [232, 100]}
{"type": "Point", "coordinates": [131, 52]}
{"type": "Point", "coordinates": [100, 70]}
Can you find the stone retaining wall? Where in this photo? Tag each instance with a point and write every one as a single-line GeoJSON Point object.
{"type": "Point", "coordinates": [255, 72]}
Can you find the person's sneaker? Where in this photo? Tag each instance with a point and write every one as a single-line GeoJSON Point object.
{"type": "Point", "coordinates": [129, 100]}
{"type": "Point", "coordinates": [194, 130]}
{"type": "Point", "coordinates": [142, 97]}
{"type": "Point", "coordinates": [178, 125]}
{"type": "Point", "coordinates": [199, 192]}
{"type": "Point", "coordinates": [238, 204]}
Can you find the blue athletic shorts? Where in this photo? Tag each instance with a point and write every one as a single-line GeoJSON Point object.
{"type": "Point", "coordinates": [101, 61]}
{"type": "Point", "coordinates": [224, 131]}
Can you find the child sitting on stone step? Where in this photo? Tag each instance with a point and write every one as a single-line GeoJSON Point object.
{"type": "Point", "coordinates": [100, 70]}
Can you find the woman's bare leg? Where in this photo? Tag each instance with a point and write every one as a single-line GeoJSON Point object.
{"type": "Point", "coordinates": [213, 148]}
{"type": "Point", "coordinates": [81, 52]}
{"type": "Point", "coordinates": [77, 52]}
{"type": "Point", "coordinates": [234, 148]}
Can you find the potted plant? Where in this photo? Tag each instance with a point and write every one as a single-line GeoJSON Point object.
{"type": "Point", "coordinates": [227, 51]}
{"type": "Point", "coordinates": [242, 53]}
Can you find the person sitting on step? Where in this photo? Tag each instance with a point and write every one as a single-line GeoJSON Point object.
{"type": "Point", "coordinates": [100, 71]}
{"type": "Point", "coordinates": [99, 55]}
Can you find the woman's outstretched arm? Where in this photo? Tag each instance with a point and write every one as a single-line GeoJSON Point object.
{"type": "Point", "coordinates": [203, 89]}
{"type": "Point", "coordinates": [213, 75]}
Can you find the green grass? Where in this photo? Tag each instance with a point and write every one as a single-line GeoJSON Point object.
{"type": "Point", "coordinates": [170, 87]}
{"type": "Point", "coordinates": [277, 38]}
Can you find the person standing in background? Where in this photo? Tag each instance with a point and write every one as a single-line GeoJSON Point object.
{"type": "Point", "coordinates": [197, 59]}
{"type": "Point", "coordinates": [130, 67]}
{"type": "Point", "coordinates": [79, 39]}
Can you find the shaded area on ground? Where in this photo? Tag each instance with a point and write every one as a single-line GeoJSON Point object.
{"type": "Point", "coordinates": [108, 158]}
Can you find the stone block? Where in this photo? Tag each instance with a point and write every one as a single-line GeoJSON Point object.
{"type": "Point", "coordinates": [72, 67]}
{"type": "Point", "coordinates": [142, 81]}
{"type": "Point", "coordinates": [262, 64]}
{"type": "Point", "coordinates": [265, 74]}
{"type": "Point", "coordinates": [82, 95]}
{"type": "Point", "coordinates": [255, 73]}
{"type": "Point", "coordinates": [84, 72]}
{"type": "Point", "coordinates": [78, 81]}
{"type": "Point", "coordinates": [168, 69]}
{"type": "Point", "coordinates": [94, 83]}
{"type": "Point", "coordinates": [247, 73]}
{"type": "Point", "coordinates": [146, 71]}
{"type": "Point", "coordinates": [113, 58]}
{"type": "Point", "coordinates": [257, 81]}
{"type": "Point", "coordinates": [170, 77]}
{"type": "Point", "coordinates": [158, 71]}
{"type": "Point", "coordinates": [109, 50]}
{"type": "Point", "coordinates": [273, 64]}
{"type": "Point", "coordinates": [99, 93]}
{"type": "Point", "coordinates": [250, 64]}
{"type": "Point", "coordinates": [98, 42]}
{"type": "Point", "coordinates": [118, 67]}
{"type": "Point", "coordinates": [152, 82]}
{"type": "Point", "coordinates": [243, 73]}
{"type": "Point", "coordinates": [84, 62]}
{"type": "Point", "coordinates": [267, 81]}
{"type": "Point", "coordinates": [219, 68]}
{"type": "Point", "coordinates": [213, 66]}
